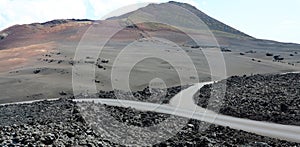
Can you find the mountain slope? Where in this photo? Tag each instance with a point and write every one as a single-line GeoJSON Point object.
{"type": "Point", "coordinates": [36, 33]}
{"type": "Point", "coordinates": [36, 59]}
{"type": "Point", "coordinates": [20, 35]}
{"type": "Point", "coordinates": [213, 24]}
{"type": "Point", "coordinates": [225, 35]}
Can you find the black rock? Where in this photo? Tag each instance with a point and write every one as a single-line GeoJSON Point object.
{"type": "Point", "coordinates": [195, 46]}
{"type": "Point", "coordinates": [62, 93]}
{"type": "Point", "coordinates": [100, 66]}
{"type": "Point", "coordinates": [269, 54]}
{"type": "Point", "coordinates": [283, 107]}
{"type": "Point", "coordinates": [272, 98]}
{"type": "Point", "coordinates": [36, 71]}
{"type": "Point", "coordinates": [104, 61]}
{"type": "Point", "coordinates": [278, 58]}
{"type": "Point", "coordinates": [48, 139]}
{"type": "Point", "coordinates": [61, 123]}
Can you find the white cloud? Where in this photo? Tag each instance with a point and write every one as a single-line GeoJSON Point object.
{"type": "Point", "coordinates": [20, 11]}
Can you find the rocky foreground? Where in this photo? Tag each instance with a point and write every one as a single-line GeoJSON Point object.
{"type": "Point", "coordinates": [273, 98]}
{"type": "Point", "coordinates": [61, 123]}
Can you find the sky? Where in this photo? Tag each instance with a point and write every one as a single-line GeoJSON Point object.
{"type": "Point", "coordinates": [265, 19]}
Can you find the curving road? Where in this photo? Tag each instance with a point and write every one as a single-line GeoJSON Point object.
{"type": "Point", "coordinates": [29, 102]}
{"type": "Point", "coordinates": [183, 105]}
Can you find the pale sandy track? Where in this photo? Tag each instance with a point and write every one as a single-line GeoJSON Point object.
{"type": "Point", "coordinates": [186, 107]}
{"type": "Point", "coordinates": [29, 102]}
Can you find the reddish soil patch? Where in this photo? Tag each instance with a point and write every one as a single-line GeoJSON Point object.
{"type": "Point", "coordinates": [17, 57]}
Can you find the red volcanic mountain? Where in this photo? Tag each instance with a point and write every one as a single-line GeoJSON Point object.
{"type": "Point", "coordinates": [39, 56]}
{"type": "Point", "coordinates": [36, 33]}
{"type": "Point", "coordinates": [71, 30]}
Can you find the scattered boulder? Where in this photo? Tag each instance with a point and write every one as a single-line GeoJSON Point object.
{"type": "Point", "coordinates": [225, 49]}
{"type": "Point", "coordinates": [48, 139]}
{"type": "Point", "coordinates": [36, 71]}
{"type": "Point", "coordinates": [269, 54]}
{"type": "Point", "coordinates": [100, 66]}
{"type": "Point", "coordinates": [278, 58]}
{"type": "Point", "coordinates": [195, 46]}
{"type": "Point", "coordinates": [283, 107]}
{"type": "Point", "coordinates": [132, 26]}
{"type": "Point", "coordinates": [104, 61]}
{"type": "Point", "coordinates": [71, 63]}
{"type": "Point", "coordinates": [62, 93]}
{"type": "Point", "coordinates": [251, 52]}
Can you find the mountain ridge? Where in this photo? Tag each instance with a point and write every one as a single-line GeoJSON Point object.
{"type": "Point", "coordinates": [226, 35]}
{"type": "Point", "coordinates": [213, 24]}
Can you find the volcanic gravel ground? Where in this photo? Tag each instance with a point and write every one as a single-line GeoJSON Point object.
{"type": "Point", "coordinates": [143, 119]}
{"type": "Point", "coordinates": [60, 123]}
{"type": "Point", "coordinates": [273, 98]}
{"type": "Point", "coordinates": [161, 96]}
